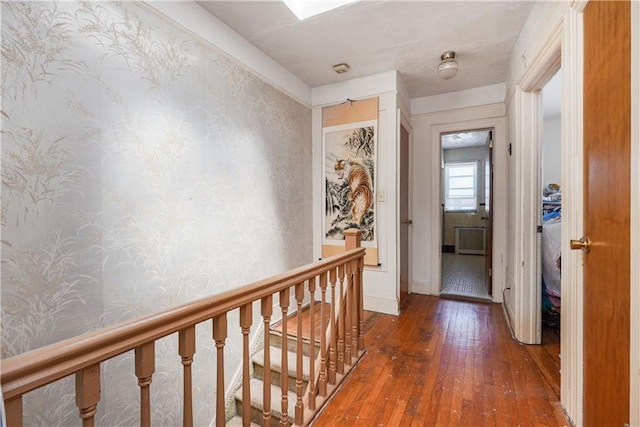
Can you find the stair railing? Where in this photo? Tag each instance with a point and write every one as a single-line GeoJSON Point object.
{"type": "Point", "coordinates": [340, 345]}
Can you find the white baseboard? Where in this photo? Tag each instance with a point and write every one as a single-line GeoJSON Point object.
{"type": "Point", "coordinates": [381, 304]}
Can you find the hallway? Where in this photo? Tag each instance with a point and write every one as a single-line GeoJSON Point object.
{"type": "Point", "coordinates": [443, 362]}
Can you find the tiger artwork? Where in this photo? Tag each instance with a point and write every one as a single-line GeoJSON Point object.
{"type": "Point", "coordinates": [361, 190]}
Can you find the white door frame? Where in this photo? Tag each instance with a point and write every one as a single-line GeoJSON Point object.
{"type": "Point", "coordinates": [566, 42]}
{"type": "Point", "coordinates": [497, 124]}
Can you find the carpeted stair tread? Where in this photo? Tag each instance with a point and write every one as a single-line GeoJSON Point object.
{"type": "Point", "coordinates": [237, 422]}
{"type": "Point", "coordinates": [258, 404]}
{"type": "Point", "coordinates": [276, 362]}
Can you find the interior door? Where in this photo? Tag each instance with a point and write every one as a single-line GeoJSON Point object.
{"type": "Point", "coordinates": [405, 221]}
{"type": "Point", "coordinates": [488, 216]}
{"type": "Point", "coordinates": [607, 146]}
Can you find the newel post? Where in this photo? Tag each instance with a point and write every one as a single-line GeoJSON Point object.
{"type": "Point", "coordinates": [352, 238]}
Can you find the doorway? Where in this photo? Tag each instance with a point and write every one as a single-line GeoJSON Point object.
{"type": "Point", "coordinates": [547, 356]}
{"type": "Point", "coordinates": [466, 214]}
{"type": "Point", "coordinates": [405, 221]}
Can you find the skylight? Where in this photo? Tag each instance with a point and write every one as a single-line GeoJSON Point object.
{"type": "Point", "coordinates": [306, 8]}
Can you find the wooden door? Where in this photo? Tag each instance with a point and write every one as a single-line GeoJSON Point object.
{"type": "Point", "coordinates": [405, 221]}
{"type": "Point", "coordinates": [488, 205]}
{"type": "Point", "coordinates": [607, 144]}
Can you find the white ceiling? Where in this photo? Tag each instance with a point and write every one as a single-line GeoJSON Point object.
{"type": "Point", "coordinates": [453, 141]}
{"type": "Point", "coordinates": [379, 36]}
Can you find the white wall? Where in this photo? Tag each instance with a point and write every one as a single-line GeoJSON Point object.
{"type": "Point", "coordinates": [136, 187]}
{"type": "Point", "coordinates": [196, 20]}
{"type": "Point", "coordinates": [551, 153]}
{"type": "Point", "coordinates": [380, 283]}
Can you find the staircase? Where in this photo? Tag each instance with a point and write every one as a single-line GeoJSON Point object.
{"type": "Point", "coordinates": [257, 381]}
{"type": "Point", "coordinates": [334, 282]}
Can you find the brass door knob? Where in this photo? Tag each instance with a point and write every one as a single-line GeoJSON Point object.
{"type": "Point", "coordinates": [584, 244]}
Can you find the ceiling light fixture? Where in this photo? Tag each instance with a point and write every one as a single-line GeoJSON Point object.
{"type": "Point", "coordinates": [449, 66]}
{"type": "Point", "coordinates": [341, 68]}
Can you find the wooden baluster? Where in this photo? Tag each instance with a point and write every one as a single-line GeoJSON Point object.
{"type": "Point", "coordinates": [88, 393]}
{"type": "Point", "coordinates": [219, 336]}
{"type": "Point", "coordinates": [334, 337]}
{"type": "Point", "coordinates": [145, 365]}
{"type": "Point", "coordinates": [299, 390]}
{"type": "Point", "coordinates": [347, 309]}
{"type": "Point", "coordinates": [340, 362]}
{"type": "Point", "coordinates": [13, 410]}
{"type": "Point", "coordinates": [284, 376]}
{"type": "Point", "coordinates": [245, 324]}
{"type": "Point", "coordinates": [186, 350]}
{"type": "Point", "coordinates": [354, 308]}
{"type": "Point", "coordinates": [266, 311]}
{"type": "Point", "coordinates": [312, 350]}
{"type": "Point", "coordinates": [322, 381]}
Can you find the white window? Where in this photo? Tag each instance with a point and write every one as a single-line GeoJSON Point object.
{"type": "Point", "coordinates": [461, 187]}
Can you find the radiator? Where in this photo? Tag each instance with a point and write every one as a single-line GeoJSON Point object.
{"type": "Point", "coordinates": [470, 240]}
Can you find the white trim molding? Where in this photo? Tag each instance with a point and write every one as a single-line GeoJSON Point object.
{"type": "Point", "coordinates": [484, 95]}
{"type": "Point", "coordinates": [528, 146]}
{"type": "Point", "coordinates": [363, 87]}
{"type": "Point", "coordinates": [571, 334]}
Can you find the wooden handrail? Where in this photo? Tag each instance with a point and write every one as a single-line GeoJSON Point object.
{"type": "Point", "coordinates": [29, 371]}
{"type": "Point", "coordinates": [83, 354]}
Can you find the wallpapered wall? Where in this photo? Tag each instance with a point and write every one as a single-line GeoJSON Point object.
{"type": "Point", "coordinates": [140, 169]}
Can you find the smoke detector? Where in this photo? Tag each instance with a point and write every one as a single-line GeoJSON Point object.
{"type": "Point", "coordinates": [341, 68]}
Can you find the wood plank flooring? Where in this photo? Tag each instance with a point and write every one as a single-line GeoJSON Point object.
{"type": "Point", "coordinates": [443, 362]}
{"type": "Point", "coordinates": [292, 322]}
{"type": "Point", "coordinates": [547, 356]}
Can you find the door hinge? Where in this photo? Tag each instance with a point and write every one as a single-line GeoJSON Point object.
{"type": "Point", "coordinates": [539, 229]}
{"type": "Point", "coordinates": [491, 143]}
{"type": "Point", "coordinates": [490, 272]}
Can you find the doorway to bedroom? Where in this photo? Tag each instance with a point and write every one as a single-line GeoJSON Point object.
{"type": "Point", "coordinates": [466, 214]}
{"type": "Point", "coordinates": [547, 355]}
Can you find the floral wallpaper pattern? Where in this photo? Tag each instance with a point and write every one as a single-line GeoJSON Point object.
{"type": "Point", "coordinates": [140, 169]}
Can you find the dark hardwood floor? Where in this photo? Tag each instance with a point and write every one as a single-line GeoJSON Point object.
{"type": "Point", "coordinates": [443, 362]}
{"type": "Point", "coordinates": [547, 356]}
